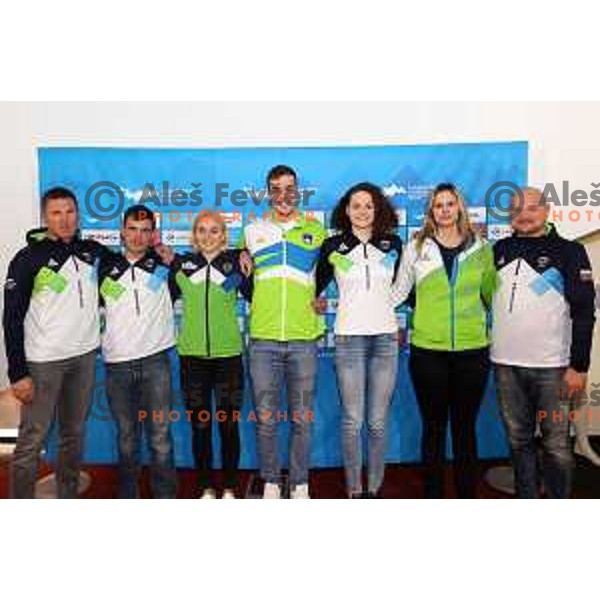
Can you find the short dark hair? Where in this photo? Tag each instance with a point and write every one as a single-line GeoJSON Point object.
{"type": "Point", "coordinates": [386, 219]}
{"type": "Point", "coordinates": [139, 212]}
{"type": "Point", "coordinates": [58, 192]}
{"type": "Point", "coordinates": [278, 171]}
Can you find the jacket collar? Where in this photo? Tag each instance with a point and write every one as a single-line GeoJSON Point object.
{"type": "Point", "coordinates": [40, 234]}
{"type": "Point", "coordinates": [549, 233]}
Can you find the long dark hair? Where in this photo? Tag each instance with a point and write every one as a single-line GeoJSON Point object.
{"type": "Point", "coordinates": [386, 219]}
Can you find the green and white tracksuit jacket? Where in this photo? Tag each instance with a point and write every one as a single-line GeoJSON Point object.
{"type": "Point", "coordinates": [450, 312]}
{"type": "Point", "coordinates": [209, 293]}
{"type": "Point", "coordinates": [285, 256]}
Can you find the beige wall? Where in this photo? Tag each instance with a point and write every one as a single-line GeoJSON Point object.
{"type": "Point", "coordinates": [9, 414]}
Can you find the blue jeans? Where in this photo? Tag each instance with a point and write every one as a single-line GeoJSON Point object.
{"type": "Point", "coordinates": [522, 393]}
{"type": "Point", "coordinates": [367, 366]}
{"type": "Point", "coordinates": [137, 385]}
{"type": "Point", "coordinates": [62, 388]}
{"type": "Point", "coordinates": [273, 364]}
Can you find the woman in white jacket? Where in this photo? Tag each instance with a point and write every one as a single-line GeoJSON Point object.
{"type": "Point", "coordinates": [364, 258]}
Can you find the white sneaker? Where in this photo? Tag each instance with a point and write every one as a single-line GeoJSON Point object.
{"type": "Point", "coordinates": [271, 492]}
{"type": "Point", "coordinates": [228, 495]}
{"type": "Point", "coordinates": [300, 492]}
{"type": "Point", "coordinates": [209, 494]}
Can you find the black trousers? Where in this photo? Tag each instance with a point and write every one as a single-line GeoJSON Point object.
{"type": "Point", "coordinates": [449, 385]}
{"type": "Point", "coordinates": [223, 378]}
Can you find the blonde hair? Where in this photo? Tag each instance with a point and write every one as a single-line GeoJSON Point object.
{"type": "Point", "coordinates": [465, 227]}
{"type": "Point", "coordinates": [209, 215]}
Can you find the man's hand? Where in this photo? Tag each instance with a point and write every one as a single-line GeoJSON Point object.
{"type": "Point", "coordinates": [320, 305]}
{"type": "Point", "coordinates": [165, 252]}
{"type": "Point", "coordinates": [574, 383]}
{"type": "Point", "coordinates": [23, 390]}
{"type": "Point", "coordinates": [246, 263]}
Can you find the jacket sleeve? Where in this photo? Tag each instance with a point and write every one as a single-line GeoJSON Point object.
{"type": "Point", "coordinates": [580, 294]}
{"type": "Point", "coordinates": [324, 272]}
{"type": "Point", "coordinates": [246, 284]}
{"type": "Point", "coordinates": [174, 289]}
{"type": "Point", "coordinates": [398, 262]}
{"type": "Point", "coordinates": [102, 271]}
{"type": "Point", "coordinates": [405, 279]}
{"type": "Point", "coordinates": [247, 287]}
{"type": "Point", "coordinates": [105, 256]}
{"type": "Point", "coordinates": [489, 280]}
{"type": "Point", "coordinates": [17, 295]}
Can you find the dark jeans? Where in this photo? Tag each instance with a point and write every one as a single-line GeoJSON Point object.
{"type": "Point", "coordinates": [200, 379]}
{"type": "Point", "coordinates": [62, 387]}
{"type": "Point", "coordinates": [138, 385]}
{"type": "Point", "coordinates": [449, 384]}
{"type": "Point", "coordinates": [522, 393]}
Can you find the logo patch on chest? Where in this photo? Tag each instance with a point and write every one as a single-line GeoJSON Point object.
{"type": "Point", "coordinates": [543, 262]}
{"type": "Point", "coordinates": [389, 260]}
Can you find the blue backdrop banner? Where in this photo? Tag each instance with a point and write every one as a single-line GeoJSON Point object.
{"type": "Point", "coordinates": [180, 183]}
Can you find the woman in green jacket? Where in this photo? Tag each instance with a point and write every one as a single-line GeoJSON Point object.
{"type": "Point", "coordinates": [210, 347]}
{"type": "Point", "coordinates": [451, 271]}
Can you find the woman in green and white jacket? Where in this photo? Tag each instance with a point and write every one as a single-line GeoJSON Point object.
{"type": "Point", "coordinates": [210, 346]}
{"type": "Point", "coordinates": [450, 270]}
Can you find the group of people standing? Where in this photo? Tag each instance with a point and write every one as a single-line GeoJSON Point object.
{"type": "Point", "coordinates": [524, 305]}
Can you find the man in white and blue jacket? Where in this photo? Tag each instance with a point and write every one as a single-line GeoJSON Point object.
{"type": "Point", "coordinates": [139, 331]}
{"type": "Point", "coordinates": [543, 320]}
{"type": "Point", "coordinates": [51, 333]}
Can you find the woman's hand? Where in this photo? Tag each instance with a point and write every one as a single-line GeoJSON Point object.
{"type": "Point", "coordinates": [246, 263]}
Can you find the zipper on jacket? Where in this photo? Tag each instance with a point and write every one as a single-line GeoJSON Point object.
{"type": "Point", "coordinates": [79, 286]}
{"type": "Point", "coordinates": [452, 302]}
{"type": "Point", "coordinates": [206, 319]}
{"type": "Point", "coordinates": [135, 291]}
{"type": "Point", "coordinates": [284, 287]}
{"type": "Point", "coordinates": [367, 272]}
{"type": "Point", "coordinates": [514, 287]}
